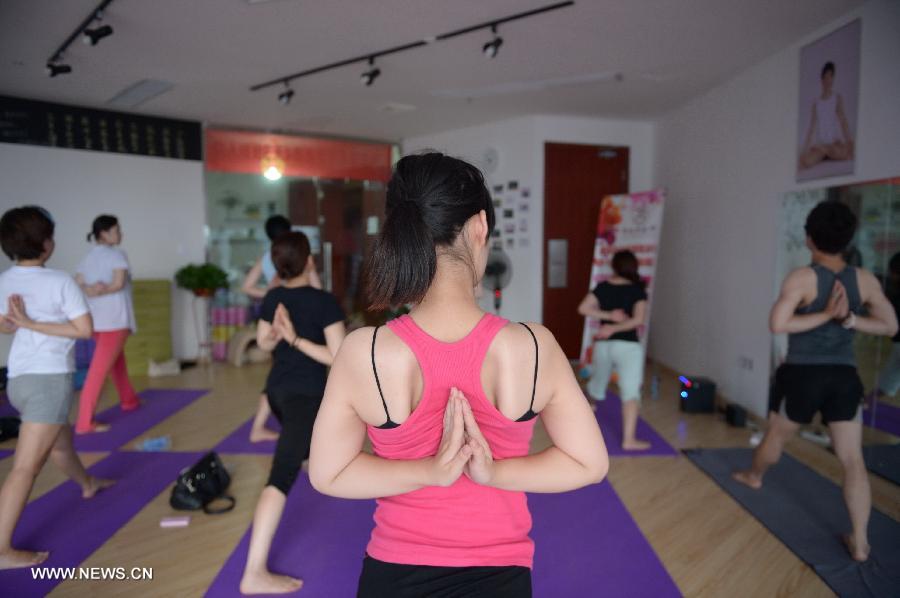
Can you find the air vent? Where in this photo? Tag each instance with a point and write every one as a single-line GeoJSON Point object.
{"type": "Point", "coordinates": [140, 92]}
{"type": "Point", "coordinates": [395, 108]}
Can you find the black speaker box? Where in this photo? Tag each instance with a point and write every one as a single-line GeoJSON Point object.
{"type": "Point", "coordinates": [736, 416]}
{"type": "Point", "coordinates": [698, 395]}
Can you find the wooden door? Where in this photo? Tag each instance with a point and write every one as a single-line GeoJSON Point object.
{"type": "Point", "coordinates": [576, 178]}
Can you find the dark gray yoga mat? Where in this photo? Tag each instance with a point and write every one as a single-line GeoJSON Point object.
{"type": "Point", "coordinates": [807, 513]}
{"type": "Point", "coordinates": [884, 460]}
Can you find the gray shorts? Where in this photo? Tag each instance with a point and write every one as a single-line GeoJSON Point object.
{"type": "Point", "coordinates": [42, 398]}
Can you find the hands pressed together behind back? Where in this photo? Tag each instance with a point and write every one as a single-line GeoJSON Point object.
{"type": "Point", "coordinates": [463, 448]}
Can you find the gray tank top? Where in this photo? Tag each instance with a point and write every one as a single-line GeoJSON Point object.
{"type": "Point", "coordinates": [830, 343]}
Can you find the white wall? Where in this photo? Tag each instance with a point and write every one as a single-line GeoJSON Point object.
{"type": "Point", "coordinates": [159, 203]}
{"type": "Point", "coordinates": [725, 159]}
{"type": "Point", "coordinates": [520, 145]}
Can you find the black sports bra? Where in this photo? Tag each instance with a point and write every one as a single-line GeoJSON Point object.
{"type": "Point", "coordinates": [529, 415]}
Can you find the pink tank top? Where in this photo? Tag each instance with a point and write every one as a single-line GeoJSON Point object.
{"type": "Point", "coordinates": [465, 524]}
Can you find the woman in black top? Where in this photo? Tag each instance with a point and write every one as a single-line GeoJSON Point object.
{"type": "Point", "coordinates": [620, 304]}
{"type": "Point", "coordinates": [303, 327]}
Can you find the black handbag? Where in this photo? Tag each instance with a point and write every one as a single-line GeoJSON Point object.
{"type": "Point", "coordinates": [9, 428]}
{"type": "Point", "coordinates": [202, 484]}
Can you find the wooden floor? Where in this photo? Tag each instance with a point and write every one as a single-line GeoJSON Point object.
{"type": "Point", "coordinates": [707, 542]}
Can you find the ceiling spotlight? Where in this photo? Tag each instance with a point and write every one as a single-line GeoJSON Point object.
{"type": "Point", "coordinates": [287, 95]}
{"type": "Point", "coordinates": [491, 48]}
{"type": "Point", "coordinates": [57, 69]}
{"type": "Point", "coordinates": [92, 36]}
{"type": "Point", "coordinates": [370, 75]}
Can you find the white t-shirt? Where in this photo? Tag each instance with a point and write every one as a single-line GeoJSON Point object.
{"type": "Point", "coordinates": [50, 296]}
{"type": "Point", "coordinates": [113, 311]}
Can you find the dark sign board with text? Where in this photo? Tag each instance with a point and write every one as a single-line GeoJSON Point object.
{"type": "Point", "coordinates": [57, 125]}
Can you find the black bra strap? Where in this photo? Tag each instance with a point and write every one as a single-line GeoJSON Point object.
{"type": "Point", "coordinates": [534, 387]}
{"type": "Point", "coordinates": [375, 370]}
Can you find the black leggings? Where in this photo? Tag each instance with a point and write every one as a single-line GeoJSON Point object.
{"type": "Point", "coordinates": [390, 580]}
{"type": "Point", "coordinates": [296, 413]}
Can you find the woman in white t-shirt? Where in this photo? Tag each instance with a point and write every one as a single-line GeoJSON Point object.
{"type": "Point", "coordinates": [103, 275]}
{"type": "Point", "coordinates": [45, 311]}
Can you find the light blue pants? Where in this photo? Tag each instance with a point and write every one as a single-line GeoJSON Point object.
{"type": "Point", "coordinates": [627, 359]}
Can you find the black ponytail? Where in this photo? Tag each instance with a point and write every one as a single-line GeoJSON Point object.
{"type": "Point", "coordinates": [625, 264]}
{"type": "Point", "coordinates": [429, 199]}
{"type": "Point", "coordinates": [102, 223]}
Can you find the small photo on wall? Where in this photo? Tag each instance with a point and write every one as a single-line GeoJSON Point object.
{"type": "Point", "coordinates": [498, 203]}
{"type": "Point", "coordinates": [523, 207]}
{"type": "Point", "coordinates": [509, 228]}
{"type": "Point", "coordinates": [828, 104]}
{"type": "Point", "coordinates": [513, 185]}
{"type": "Point", "coordinates": [498, 188]}
{"type": "Point", "coordinates": [510, 243]}
{"type": "Point", "coordinates": [526, 192]}
{"type": "Point", "coordinates": [509, 214]}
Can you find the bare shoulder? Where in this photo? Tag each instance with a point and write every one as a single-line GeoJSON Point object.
{"type": "Point", "coordinates": [800, 279]}
{"type": "Point", "coordinates": [356, 344]}
{"type": "Point", "coordinates": [516, 339]}
{"type": "Point", "coordinates": [868, 283]}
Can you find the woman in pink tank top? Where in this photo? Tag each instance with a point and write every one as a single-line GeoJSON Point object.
{"type": "Point", "coordinates": [448, 396]}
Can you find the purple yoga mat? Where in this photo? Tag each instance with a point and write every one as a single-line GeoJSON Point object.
{"type": "Point", "coordinates": [238, 442]}
{"type": "Point", "coordinates": [156, 405]}
{"type": "Point", "coordinates": [4, 454]}
{"type": "Point", "coordinates": [887, 418]}
{"type": "Point", "coordinates": [587, 545]}
{"type": "Point", "coordinates": [609, 416]}
{"type": "Point", "coordinates": [72, 528]}
{"type": "Point", "coordinates": [320, 539]}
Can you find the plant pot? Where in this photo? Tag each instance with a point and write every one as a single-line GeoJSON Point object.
{"type": "Point", "coordinates": [204, 292]}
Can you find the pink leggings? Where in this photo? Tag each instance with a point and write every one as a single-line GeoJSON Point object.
{"type": "Point", "coordinates": [109, 359]}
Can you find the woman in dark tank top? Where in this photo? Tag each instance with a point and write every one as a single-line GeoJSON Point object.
{"type": "Point", "coordinates": [620, 305]}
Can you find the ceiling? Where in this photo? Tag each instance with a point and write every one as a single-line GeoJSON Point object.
{"type": "Point", "coordinates": [561, 62]}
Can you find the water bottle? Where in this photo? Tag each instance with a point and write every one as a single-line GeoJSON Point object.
{"type": "Point", "coordinates": [654, 387]}
{"type": "Point", "coordinates": [162, 443]}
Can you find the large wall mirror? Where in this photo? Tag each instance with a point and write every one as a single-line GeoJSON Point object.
{"type": "Point", "coordinates": [340, 217]}
{"type": "Point", "coordinates": [875, 247]}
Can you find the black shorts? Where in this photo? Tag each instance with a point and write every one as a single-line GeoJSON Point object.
{"type": "Point", "coordinates": [834, 390]}
{"type": "Point", "coordinates": [390, 580]}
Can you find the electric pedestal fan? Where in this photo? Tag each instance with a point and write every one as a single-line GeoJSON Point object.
{"type": "Point", "coordinates": [497, 275]}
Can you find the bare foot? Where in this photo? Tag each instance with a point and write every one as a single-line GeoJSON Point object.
{"type": "Point", "coordinates": [268, 583]}
{"type": "Point", "coordinates": [95, 427]}
{"type": "Point", "coordinates": [134, 407]}
{"type": "Point", "coordinates": [94, 486]}
{"type": "Point", "coordinates": [263, 435]}
{"type": "Point", "coordinates": [635, 445]}
{"type": "Point", "coordinates": [748, 478]}
{"type": "Point", "coordinates": [858, 554]}
{"type": "Point", "coordinates": [16, 559]}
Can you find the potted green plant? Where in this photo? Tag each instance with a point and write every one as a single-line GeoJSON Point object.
{"type": "Point", "coordinates": [202, 280]}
